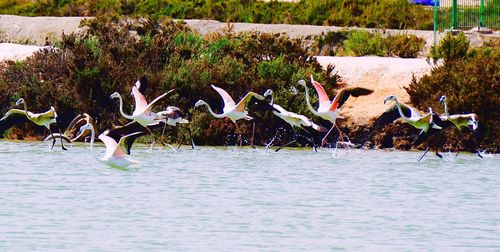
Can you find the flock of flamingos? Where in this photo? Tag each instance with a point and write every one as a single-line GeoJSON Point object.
{"type": "Point", "coordinates": [118, 141]}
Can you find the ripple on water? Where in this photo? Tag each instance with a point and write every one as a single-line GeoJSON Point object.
{"type": "Point", "coordinates": [219, 199]}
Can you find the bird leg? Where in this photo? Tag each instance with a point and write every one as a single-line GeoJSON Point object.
{"type": "Point", "coordinates": [62, 145]}
{"type": "Point", "coordinates": [53, 139]}
{"type": "Point", "coordinates": [340, 132]}
{"type": "Point", "coordinates": [239, 132]}
{"type": "Point", "coordinates": [315, 147]}
{"type": "Point", "coordinates": [281, 147]}
{"type": "Point", "coordinates": [439, 155]}
{"type": "Point", "coordinates": [426, 150]}
{"type": "Point", "coordinates": [183, 138]}
{"type": "Point", "coordinates": [253, 134]}
{"type": "Point", "coordinates": [191, 141]}
{"type": "Point", "coordinates": [323, 141]}
{"type": "Point", "coordinates": [291, 142]}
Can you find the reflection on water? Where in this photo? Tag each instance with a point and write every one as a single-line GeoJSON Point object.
{"type": "Point", "coordinates": [219, 199]}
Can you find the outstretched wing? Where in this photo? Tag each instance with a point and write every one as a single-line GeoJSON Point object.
{"type": "Point", "coordinates": [344, 94]}
{"type": "Point", "coordinates": [126, 142]}
{"type": "Point", "coordinates": [436, 121]}
{"type": "Point", "coordinates": [392, 114]}
{"type": "Point", "coordinates": [324, 100]}
{"type": "Point", "coordinates": [150, 105]}
{"type": "Point", "coordinates": [241, 105]}
{"type": "Point", "coordinates": [133, 127]}
{"type": "Point", "coordinates": [11, 118]}
{"type": "Point", "coordinates": [228, 101]}
{"type": "Point", "coordinates": [110, 143]}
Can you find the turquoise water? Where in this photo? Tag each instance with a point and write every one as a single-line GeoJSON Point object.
{"type": "Point", "coordinates": [219, 199]}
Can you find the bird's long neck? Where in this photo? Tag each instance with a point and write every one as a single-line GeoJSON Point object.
{"type": "Point", "coordinates": [26, 110]}
{"type": "Point", "coordinates": [212, 112]}
{"type": "Point", "coordinates": [92, 137]}
{"type": "Point", "coordinates": [309, 102]}
{"type": "Point", "coordinates": [400, 110]}
{"type": "Point", "coordinates": [121, 108]}
{"type": "Point", "coordinates": [446, 109]}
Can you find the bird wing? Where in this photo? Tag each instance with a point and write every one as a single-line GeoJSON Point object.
{"type": "Point", "coordinates": [140, 101]}
{"type": "Point", "coordinates": [392, 114]}
{"type": "Point", "coordinates": [74, 125]}
{"type": "Point", "coordinates": [11, 118]}
{"type": "Point", "coordinates": [228, 101]}
{"type": "Point", "coordinates": [240, 107]}
{"type": "Point", "coordinates": [121, 131]}
{"type": "Point", "coordinates": [126, 142]}
{"type": "Point", "coordinates": [86, 120]}
{"type": "Point", "coordinates": [110, 143]}
{"type": "Point", "coordinates": [344, 94]}
{"type": "Point", "coordinates": [150, 105]}
{"type": "Point", "coordinates": [324, 100]}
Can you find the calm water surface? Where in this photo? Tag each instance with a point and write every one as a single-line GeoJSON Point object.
{"type": "Point", "coordinates": [216, 199]}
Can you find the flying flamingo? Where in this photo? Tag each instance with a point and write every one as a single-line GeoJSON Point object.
{"type": "Point", "coordinates": [116, 152]}
{"type": "Point", "coordinates": [329, 110]}
{"type": "Point", "coordinates": [458, 120]}
{"type": "Point", "coordinates": [232, 110]}
{"type": "Point", "coordinates": [16, 116]}
{"type": "Point", "coordinates": [293, 119]}
{"type": "Point", "coordinates": [142, 113]}
{"type": "Point", "coordinates": [427, 123]}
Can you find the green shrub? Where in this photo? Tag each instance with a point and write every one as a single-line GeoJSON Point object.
{"type": "Point", "coordinates": [451, 47]}
{"type": "Point", "coordinates": [470, 83]}
{"type": "Point", "coordinates": [362, 42]}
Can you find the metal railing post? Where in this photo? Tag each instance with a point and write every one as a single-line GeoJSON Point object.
{"type": "Point", "coordinates": [454, 15]}
{"type": "Point", "coordinates": [481, 14]}
{"type": "Point", "coordinates": [435, 21]}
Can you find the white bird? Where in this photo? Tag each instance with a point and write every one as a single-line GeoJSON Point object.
{"type": "Point", "coordinates": [329, 109]}
{"type": "Point", "coordinates": [459, 120]}
{"type": "Point", "coordinates": [408, 114]}
{"type": "Point", "coordinates": [293, 119]}
{"type": "Point", "coordinates": [16, 116]}
{"type": "Point", "coordinates": [116, 152]}
{"type": "Point", "coordinates": [173, 116]}
{"type": "Point", "coordinates": [142, 112]}
{"type": "Point", "coordinates": [232, 110]}
{"type": "Point", "coordinates": [427, 123]}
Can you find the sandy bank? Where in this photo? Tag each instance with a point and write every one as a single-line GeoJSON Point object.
{"type": "Point", "coordinates": [384, 75]}
{"type": "Point", "coordinates": [9, 51]}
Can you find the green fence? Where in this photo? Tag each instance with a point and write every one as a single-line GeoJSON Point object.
{"type": "Point", "coordinates": [466, 14]}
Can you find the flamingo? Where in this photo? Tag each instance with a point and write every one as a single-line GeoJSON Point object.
{"type": "Point", "coordinates": [173, 116]}
{"type": "Point", "coordinates": [426, 123]}
{"type": "Point", "coordinates": [16, 116]}
{"type": "Point", "coordinates": [460, 121]}
{"type": "Point", "coordinates": [116, 151]}
{"type": "Point", "coordinates": [329, 110]}
{"type": "Point", "coordinates": [70, 134]}
{"type": "Point", "coordinates": [293, 119]}
{"type": "Point", "coordinates": [231, 110]}
{"type": "Point", "coordinates": [142, 113]}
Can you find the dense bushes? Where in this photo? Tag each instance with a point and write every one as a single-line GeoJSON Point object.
{"type": "Point", "coordinates": [469, 79]}
{"type": "Point", "coordinates": [80, 75]}
{"type": "Point", "coordinates": [362, 42]}
{"type": "Point", "coordinates": [397, 14]}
